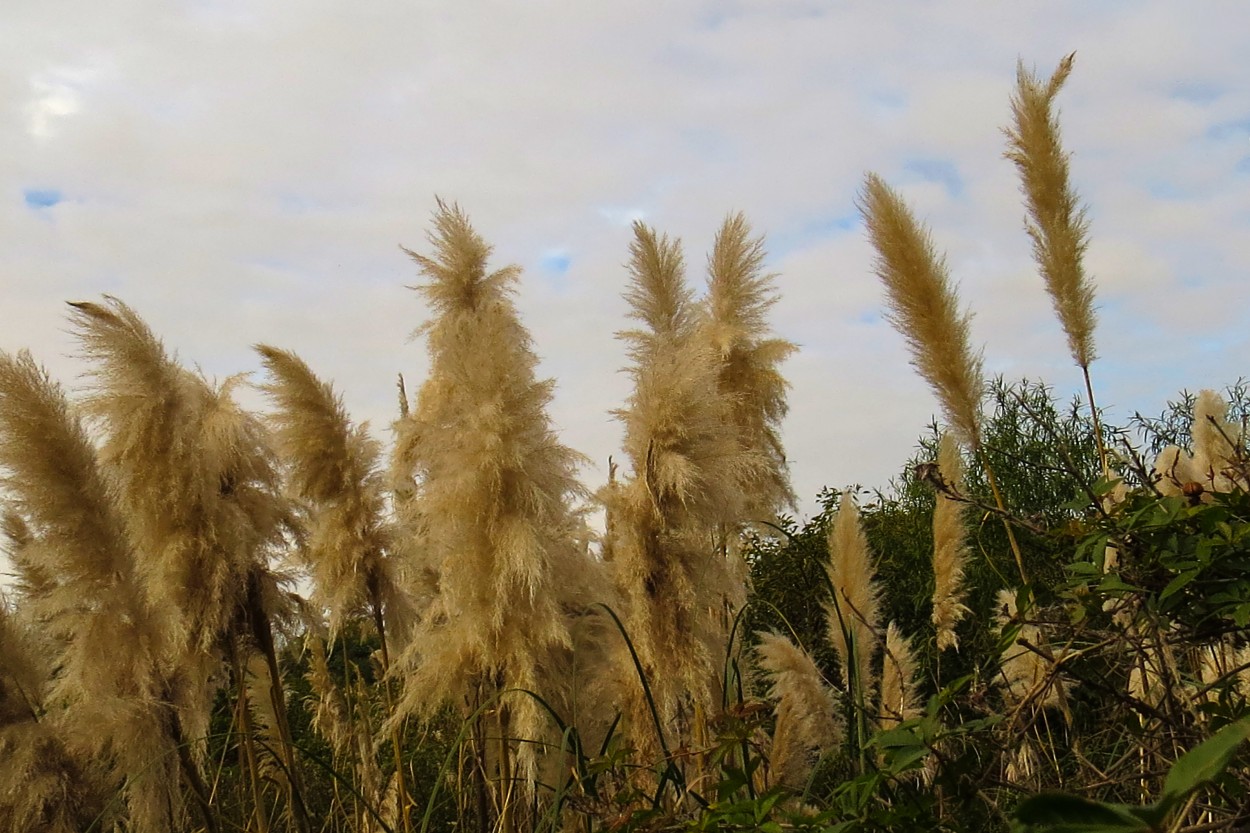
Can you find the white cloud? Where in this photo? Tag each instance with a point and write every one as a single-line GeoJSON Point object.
{"type": "Point", "coordinates": [246, 172]}
{"type": "Point", "coordinates": [57, 93]}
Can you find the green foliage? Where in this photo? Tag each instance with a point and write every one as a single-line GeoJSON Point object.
{"type": "Point", "coordinates": [1172, 426]}
{"type": "Point", "coordinates": [1189, 561]}
{"type": "Point", "coordinates": [1178, 594]}
{"type": "Point", "coordinates": [1063, 813]}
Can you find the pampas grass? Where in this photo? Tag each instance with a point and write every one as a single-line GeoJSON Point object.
{"type": "Point", "coordinates": [1025, 675]}
{"type": "Point", "coordinates": [1217, 445]}
{"type": "Point", "coordinates": [495, 503]}
{"type": "Point", "coordinates": [684, 491]}
{"type": "Point", "coordinates": [1056, 223]}
{"type": "Point", "coordinates": [899, 687]}
{"type": "Point", "coordinates": [1217, 462]}
{"type": "Point", "coordinates": [853, 615]}
{"type": "Point", "coordinates": [333, 466]}
{"type": "Point", "coordinates": [109, 677]}
{"type": "Point", "coordinates": [923, 307]}
{"type": "Point", "coordinates": [194, 475]}
{"type": "Point", "coordinates": [807, 715]}
{"type": "Point", "coordinates": [144, 523]}
{"type": "Point", "coordinates": [950, 548]}
{"type": "Point", "coordinates": [42, 787]}
{"type": "Point", "coordinates": [199, 487]}
{"type": "Point", "coordinates": [740, 295]}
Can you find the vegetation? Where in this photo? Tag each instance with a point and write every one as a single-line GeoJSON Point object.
{"type": "Point", "coordinates": [1041, 624]}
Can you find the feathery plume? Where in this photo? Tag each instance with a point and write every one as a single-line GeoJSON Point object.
{"type": "Point", "coordinates": [1216, 443]}
{"type": "Point", "coordinates": [333, 467]}
{"type": "Point", "coordinates": [22, 675]}
{"type": "Point", "coordinates": [41, 786]}
{"type": "Point", "coordinates": [108, 678]}
{"type": "Point", "coordinates": [739, 297]}
{"type": "Point", "coordinates": [1173, 468]}
{"type": "Point", "coordinates": [923, 307]}
{"type": "Point", "coordinates": [852, 617]}
{"type": "Point", "coordinates": [950, 547]}
{"type": "Point", "coordinates": [496, 487]}
{"type": "Point", "coordinates": [806, 709]}
{"type": "Point", "coordinates": [198, 485]}
{"type": "Point", "coordinates": [683, 496]}
{"type": "Point", "coordinates": [1056, 223]}
{"type": "Point", "coordinates": [34, 579]}
{"type": "Point", "coordinates": [196, 479]}
{"type": "Point", "coordinates": [331, 716]}
{"type": "Point", "coordinates": [1025, 674]}
{"type": "Point", "coordinates": [899, 697]}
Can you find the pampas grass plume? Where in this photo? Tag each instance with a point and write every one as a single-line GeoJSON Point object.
{"type": "Point", "coordinates": [950, 548]}
{"type": "Point", "coordinates": [740, 295]}
{"type": "Point", "coordinates": [109, 677]}
{"type": "Point", "coordinates": [334, 467]}
{"type": "Point", "coordinates": [923, 307]}
{"type": "Point", "coordinates": [496, 487]}
{"type": "Point", "coordinates": [806, 709]}
{"type": "Point", "coordinates": [1025, 675]}
{"type": "Point", "coordinates": [899, 695]}
{"type": "Point", "coordinates": [1056, 222]}
{"type": "Point", "coordinates": [1216, 443]}
{"type": "Point", "coordinates": [853, 616]}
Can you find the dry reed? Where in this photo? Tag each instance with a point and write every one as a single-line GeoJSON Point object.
{"type": "Point", "coordinates": [739, 297]}
{"type": "Point", "coordinates": [853, 615]}
{"type": "Point", "coordinates": [494, 504]}
{"type": "Point", "coordinates": [950, 547]}
{"type": "Point", "coordinates": [1056, 223]}
{"type": "Point", "coordinates": [807, 715]}
{"type": "Point", "coordinates": [900, 699]}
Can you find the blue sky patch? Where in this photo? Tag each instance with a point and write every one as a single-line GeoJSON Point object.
{"type": "Point", "coordinates": [37, 198]}
{"type": "Point", "coordinates": [1163, 190]}
{"type": "Point", "coordinates": [937, 170]}
{"type": "Point", "coordinates": [828, 226]}
{"type": "Point", "coordinates": [887, 103]}
{"type": "Point", "coordinates": [1224, 131]}
{"type": "Point", "coordinates": [1197, 92]}
{"type": "Point", "coordinates": [820, 227]}
{"type": "Point", "coordinates": [556, 261]}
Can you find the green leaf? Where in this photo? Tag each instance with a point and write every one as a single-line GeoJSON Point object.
{"type": "Point", "coordinates": [903, 758]}
{"type": "Point", "coordinates": [1203, 763]}
{"type": "Point", "coordinates": [1177, 584]}
{"type": "Point", "coordinates": [1062, 813]}
{"type": "Point", "coordinates": [901, 736]}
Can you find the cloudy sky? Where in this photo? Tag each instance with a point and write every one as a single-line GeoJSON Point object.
{"type": "Point", "coordinates": [244, 171]}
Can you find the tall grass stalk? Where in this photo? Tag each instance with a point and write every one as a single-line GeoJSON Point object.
{"type": "Point", "coordinates": [672, 515]}
{"type": "Point", "coordinates": [1056, 223]}
{"type": "Point", "coordinates": [950, 548]}
{"type": "Point", "coordinates": [111, 681]}
{"type": "Point", "coordinates": [495, 506]}
{"type": "Point", "coordinates": [924, 308]}
{"type": "Point", "coordinates": [333, 468]}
